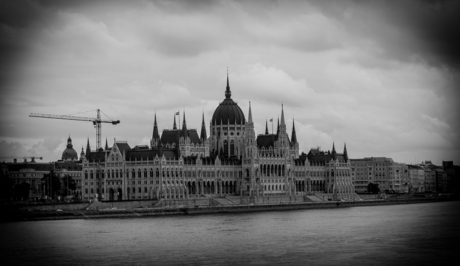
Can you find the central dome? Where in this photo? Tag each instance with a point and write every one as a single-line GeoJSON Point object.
{"type": "Point", "coordinates": [69, 154]}
{"type": "Point", "coordinates": [228, 111]}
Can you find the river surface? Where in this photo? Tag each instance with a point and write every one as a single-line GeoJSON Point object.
{"type": "Point", "coordinates": [413, 234]}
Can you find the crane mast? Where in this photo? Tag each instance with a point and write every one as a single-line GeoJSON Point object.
{"type": "Point", "coordinates": [96, 122]}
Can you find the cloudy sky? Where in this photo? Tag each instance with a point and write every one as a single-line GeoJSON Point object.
{"type": "Point", "coordinates": [380, 76]}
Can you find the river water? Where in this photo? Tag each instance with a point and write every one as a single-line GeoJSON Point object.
{"type": "Point", "coordinates": [413, 234]}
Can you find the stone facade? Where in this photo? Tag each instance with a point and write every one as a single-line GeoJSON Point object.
{"type": "Point", "coordinates": [179, 164]}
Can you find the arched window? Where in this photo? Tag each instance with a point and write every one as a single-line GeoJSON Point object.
{"type": "Point", "coordinates": [116, 173]}
{"type": "Point", "coordinates": [232, 147]}
{"type": "Point", "coordinates": [91, 175]}
{"type": "Point", "coordinates": [139, 173]}
{"type": "Point", "coordinates": [225, 147]}
{"type": "Point", "coordinates": [145, 172]}
{"type": "Point", "coordinates": [86, 174]}
{"type": "Point", "coordinates": [145, 189]}
{"type": "Point", "coordinates": [157, 173]}
{"type": "Point", "coordinates": [151, 172]}
{"type": "Point", "coordinates": [133, 174]}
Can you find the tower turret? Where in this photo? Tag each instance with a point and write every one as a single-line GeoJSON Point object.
{"type": "Point", "coordinates": [345, 154]}
{"type": "Point", "coordinates": [184, 128]}
{"type": "Point", "coordinates": [334, 153]}
{"type": "Point", "coordinates": [203, 135]}
{"type": "Point", "coordinates": [293, 136]}
{"type": "Point", "coordinates": [174, 125]}
{"type": "Point", "coordinates": [88, 149]}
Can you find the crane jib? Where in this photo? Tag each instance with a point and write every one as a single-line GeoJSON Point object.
{"type": "Point", "coordinates": [96, 122]}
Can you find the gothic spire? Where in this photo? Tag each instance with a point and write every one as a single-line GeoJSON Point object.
{"type": "Point", "coordinates": [250, 113]}
{"type": "Point", "coordinates": [334, 153]}
{"type": "Point", "coordinates": [88, 149]}
{"type": "Point", "coordinates": [228, 93]}
{"type": "Point", "coordinates": [345, 154]}
{"type": "Point", "coordinates": [293, 136]}
{"type": "Point", "coordinates": [278, 127]}
{"type": "Point", "coordinates": [203, 130]}
{"type": "Point", "coordinates": [282, 116]}
{"type": "Point", "coordinates": [106, 144]}
{"type": "Point", "coordinates": [184, 128]}
{"type": "Point", "coordinates": [155, 134]}
{"type": "Point", "coordinates": [266, 127]}
{"type": "Point", "coordinates": [174, 126]}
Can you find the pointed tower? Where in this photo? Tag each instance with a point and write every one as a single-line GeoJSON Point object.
{"type": "Point", "coordinates": [174, 126]}
{"type": "Point", "coordinates": [155, 135]}
{"type": "Point", "coordinates": [266, 127]}
{"type": "Point", "coordinates": [345, 154]}
{"type": "Point", "coordinates": [282, 116]}
{"type": "Point", "coordinates": [88, 149]}
{"type": "Point", "coordinates": [294, 143]}
{"type": "Point", "coordinates": [249, 140]}
{"type": "Point", "coordinates": [82, 154]}
{"type": "Point", "coordinates": [293, 136]}
{"type": "Point", "coordinates": [278, 127]}
{"type": "Point", "coordinates": [106, 144]}
{"type": "Point", "coordinates": [203, 135]}
{"type": "Point", "coordinates": [184, 128]}
{"type": "Point", "coordinates": [334, 153]}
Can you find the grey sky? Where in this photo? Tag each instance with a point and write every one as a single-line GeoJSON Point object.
{"type": "Point", "coordinates": [381, 76]}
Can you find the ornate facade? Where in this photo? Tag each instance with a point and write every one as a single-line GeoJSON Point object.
{"type": "Point", "coordinates": [181, 164]}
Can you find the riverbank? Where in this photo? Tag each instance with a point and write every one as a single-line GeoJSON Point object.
{"type": "Point", "coordinates": [154, 208]}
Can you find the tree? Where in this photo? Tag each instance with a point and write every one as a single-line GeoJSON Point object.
{"type": "Point", "coordinates": [52, 184]}
{"type": "Point", "coordinates": [6, 183]}
{"type": "Point", "coordinates": [69, 185]}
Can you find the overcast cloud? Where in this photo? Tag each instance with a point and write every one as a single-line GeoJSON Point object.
{"type": "Point", "coordinates": [381, 76]}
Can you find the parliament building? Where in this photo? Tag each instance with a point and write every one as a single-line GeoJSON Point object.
{"type": "Point", "coordinates": [232, 160]}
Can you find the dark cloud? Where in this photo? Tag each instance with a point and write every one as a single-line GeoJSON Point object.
{"type": "Point", "coordinates": [405, 30]}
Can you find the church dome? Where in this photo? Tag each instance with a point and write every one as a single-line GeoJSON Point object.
{"type": "Point", "coordinates": [69, 154]}
{"type": "Point", "coordinates": [228, 111]}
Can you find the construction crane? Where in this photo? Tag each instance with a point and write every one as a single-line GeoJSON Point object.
{"type": "Point", "coordinates": [96, 122]}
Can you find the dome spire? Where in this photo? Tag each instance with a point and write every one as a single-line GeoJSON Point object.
{"type": "Point", "coordinates": [228, 93]}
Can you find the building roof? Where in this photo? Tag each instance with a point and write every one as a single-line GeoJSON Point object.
{"type": "Point", "coordinates": [228, 112]}
{"type": "Point", "coordinates": [315, 155]}
{"type": "Point", "coordinates": [266, 141]}
{"type": "Point", "coordinates": [70, 166]}
{"type": "Point", "coordinates": [170, 136]}
{"type": "Point", "coordinates": [150, 154]}
{"type": "Point", "coordinates": [13, 167]}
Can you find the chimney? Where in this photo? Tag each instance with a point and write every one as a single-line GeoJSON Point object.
{"type": "Point", "coordinates": [15, 160]}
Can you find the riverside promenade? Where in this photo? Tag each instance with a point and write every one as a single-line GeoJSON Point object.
{"type": "Point", "coordinates": [205, 205]}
